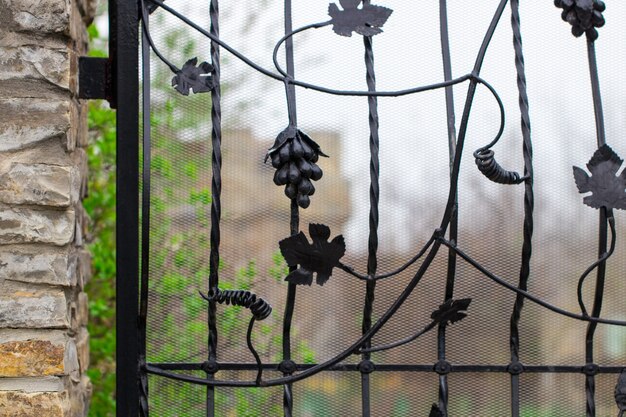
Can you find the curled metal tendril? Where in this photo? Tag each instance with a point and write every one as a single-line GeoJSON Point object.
{"type": "Point", "coordinates": [490, 168]}
{"type": "Point", "coordinates": [260, 308]}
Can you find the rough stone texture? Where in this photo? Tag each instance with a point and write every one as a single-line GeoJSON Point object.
{"type": "Point", "coordinates": [22, 225]}
{"type": "Point", "coordinates": [43, 404]}
{"type": "Point", "coordinates": [44, 16]}
{"type": "Point", "coordinates": [84, 268]}
{"type": "Point", "coordinates": [40, 265]}
{"type": "Point", "coordinates": [82, 347]}
{"type": "Point", "coordinates": [82, 226]}
{"type": "Point", "coordinates": [38, 121]}
{"type": "Point", "coordinates": [44, 344]}
{"type": "Point", "coordinates": [36, 353]}
{"type": "Point", "coordinates": [39, 184]}
{"type": "Point", "coordinates": [44, 384]}
{"type": "Point", "coordinates": [80, 396]}
{"type": "Point", "coordinates": [83, 309]}
{"type": "Point", "coordinates": [34, 71]}
{"type": "Point", "coordinates": [28, 306]}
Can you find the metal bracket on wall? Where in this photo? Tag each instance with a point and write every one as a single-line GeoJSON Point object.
{"type": "Point", "coordinates": [95, 79]}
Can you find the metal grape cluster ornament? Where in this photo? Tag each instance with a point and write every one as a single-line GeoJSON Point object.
{"type": "Point", "coordinates": [294, 155]}
{"type": "Point", "coordinates": [584, 16]}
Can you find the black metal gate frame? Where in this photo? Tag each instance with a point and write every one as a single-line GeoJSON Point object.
{"type": "Point", "coordinates": [123, 69]}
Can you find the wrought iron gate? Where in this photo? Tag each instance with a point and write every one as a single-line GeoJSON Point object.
{"type": "Point", "coordinates": [173, 281]}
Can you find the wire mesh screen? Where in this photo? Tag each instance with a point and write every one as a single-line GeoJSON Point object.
{"type": "Point", "coordinates": [453, 369]}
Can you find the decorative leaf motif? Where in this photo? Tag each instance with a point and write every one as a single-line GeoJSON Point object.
{"type": "Point", "coordinates": [451, 311]}
{"type": "Point", "coordinates": [319, 257]}
{"type": "Point", "coordinates": [193, 78]}
{"type": "Point", "coordinates": [584, 16]}
{"type": "Point", "coordinates": [608, 190]}
{"type": "Point", "coordinates": [620, 392]}
{"type": "Point", "coordinates": [435, 411]}
{"type": "Point", "coordinates": [365, 21]}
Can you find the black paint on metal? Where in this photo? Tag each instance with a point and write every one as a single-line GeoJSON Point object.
{"type": "Point", "coordinates": [317, 260]}
{"type": "Point", "coordinates": [146, 187]}
{"type": "Point", "coordinates": [124, 55]}
{"type": "Point", "coordinates": [94, 78]}
{"type": "Point", "coordinates": [515, 367]}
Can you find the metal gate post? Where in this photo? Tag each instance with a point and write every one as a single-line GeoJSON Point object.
{"type": "Point", "coordinates": [123, 51]}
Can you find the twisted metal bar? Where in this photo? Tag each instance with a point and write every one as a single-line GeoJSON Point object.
{"type": "Point", "coordinates": [431, 255]}
{"type": "Point", "coordinates": [216, 196]}
{"type": "Point", "coordinates": [527, 150]}
{"type": "Point", "coordinates": [279, 77]}
{"type": "Point", "coordinates": [372, 247]}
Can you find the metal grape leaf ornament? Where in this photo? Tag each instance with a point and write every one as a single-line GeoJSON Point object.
{"type": "Point", "coordinates": [435, 411]}
{"type": "Point", "coordinates": [366, 21]}
{"type": "Point", "coordinates": [607, 189]}
{"type": "Point", "coordinates": [584, 16]}
{"type": "Point", "coordinates": [319, 257]}
{"type": "Point", "coordinates": [193, 78]}
{"type": "Point", "coordinates": [294, 155]}
{"type": "Point", "coordinates": [620, 393]}
{"type": "Point", "coordinates": [451, 311]}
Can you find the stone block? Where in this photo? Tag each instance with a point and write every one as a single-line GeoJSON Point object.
{"type": "Point", "coordinates": [37, 353]}
{"type": "Point", "coordinates": [39, 404]}
{"type": "Point", "coordinates": [84, 267]}
{"type": "Point", "coordinates": [82, 347]}
{"type": "Point", "coordinates": [80, 161]}
{"type": "Point", "coordinates": [82, 226]}
{"type": "Point", "coordinates": [39, 265]}
{"type": "Point", "coordinates": [77, 29]}
{"type": "Point", "coordinates": [29, 306]}
{"type": "Point", "coordinates": [87, 9]}
{"type": "Point", "coordinates": [34, 71]}
{"type": "Point", "coordinates": [21, 225]}
{"type": "Point", "coordinates": [80, 397]}
{"type": "Point", "coordinates": [33, 121]}
{"type": "Point", "coordinates": [82, 130]}
{"type": "Point", "coordinates": [40, 184]}
{"type": "Point", "coordinates": [82, 304]}
{"type": "Point", "coordinates": [42, 16]}
{"type": "Point", "coordinates": [43, 384]}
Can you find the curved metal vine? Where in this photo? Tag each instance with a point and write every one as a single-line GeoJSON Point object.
{"type": "Point", "coordinates": [294, 156]}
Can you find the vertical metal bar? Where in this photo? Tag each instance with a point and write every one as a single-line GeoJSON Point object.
{"type": "Point", "coordinates": [515, 367]}
{"type": "Point", "coordinates": [590, 385]}
{"type": "Point", "coordinates": [453, 233]}
{"type": "Point", "coordinates": [372, 255]}
{"type": "Point", "coordinates": [124, 51]}
{"type": "Point", "coordinates": [145, 214]}
{"type": "Point", "coordinates": [294, 222]}
{"type": "Point", "coordinates": [216, 192]}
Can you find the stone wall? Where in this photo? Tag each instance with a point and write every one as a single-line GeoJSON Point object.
{"type": "Point", "coordinates": [44, 344]}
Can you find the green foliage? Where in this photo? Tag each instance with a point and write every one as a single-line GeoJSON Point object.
{"type": "Point", "coordinates": [179, 253]}
{"type": "Point", "coordinates": [101, 208]}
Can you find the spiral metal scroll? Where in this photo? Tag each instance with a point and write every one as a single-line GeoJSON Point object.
{"type": "Point", "coordinates": [584, 15]}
